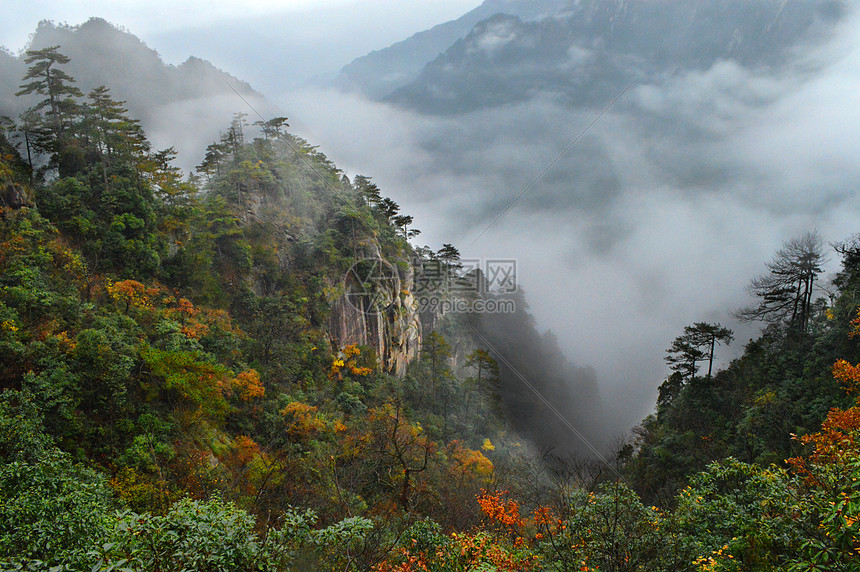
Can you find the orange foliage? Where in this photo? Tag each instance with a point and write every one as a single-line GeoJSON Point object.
{"type": "Point", "coordinates": [847, 374]}
{"type": "Point", "coordinates": [480, 548]}
{"type": "Point", "coordinates": [195, 330]}
{"type": "Point", "coordinates": [391, 417]}
{"type": "Point", "coordinates": [195, 322]}
{"type": "Point", "coordinates": [245, 449]}
{"type": "Point", "coordinates": [189, 315]}
{"type": "Point", "coordinates": [464, 552]}
{"type": "Point", "coordinates": [844, 422]}
{"type": "Point", "coordinates": [546, 521]}
{"type": "Point", "coordinates": [351, 350]}
{"type": "Point", "coordinates": [66, 261]}
{"type": "Point", "coordinates": [347, 360]}
{"type": "Point", "coordinates": [836, 443]}
{"type": "Point", "coordinates": [499, 510]}
{"type": "Point", "coordinates": [469, 464]}
{"type": "Point", "coordinates": [855, 326]}
{"type": "Point", "coordinates": [129, 292]}
{"type": "Point", "coordinates": [196, 472]}
{"type": "Point", "coordinates": [5, 165]}
{"type": "Point", "coordinates": [410, 563]}
{"type": "Point", "coordinates": [245, 461]}
{"type": "Point", "coordinates": [184, 306]}
{"type": "Point", "coordinates": [303, 418]}
{"type": "Point", "coordinates": [247, 385]}
{"type": "Point", "coordinates": [16, 245]}
{"type": "Point", "coordinates": [66, 345]}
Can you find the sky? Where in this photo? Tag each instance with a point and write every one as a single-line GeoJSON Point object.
{"type": "Point", "coordinates": [257, 40]}
{"type": "Point", "coordinates": [149, 19]}
{"type": "Point", "coordinates": [617, 277]}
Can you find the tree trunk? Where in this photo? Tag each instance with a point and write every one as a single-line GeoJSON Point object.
{"type": "Point", "coordinates": [711, 357]}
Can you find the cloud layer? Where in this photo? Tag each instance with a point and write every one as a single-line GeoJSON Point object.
{"type": "Point", "coordinates": [657, 218]}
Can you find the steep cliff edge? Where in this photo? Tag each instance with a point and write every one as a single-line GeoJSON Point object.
{"type": "Point", "coordinates": [377, 309]}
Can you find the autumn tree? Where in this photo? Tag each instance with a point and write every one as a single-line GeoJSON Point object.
{"type": "Point", "coordinates": [403, 447]}
{"type": "Point", "coordinates": [785, 292]}
{"type": "Point", "coordinates": [830, 497]}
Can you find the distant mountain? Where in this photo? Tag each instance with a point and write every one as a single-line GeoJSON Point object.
{"type": "Point", "coordinates": [588, 50]}
{"type": "Point", "coordinates": [380, 72]}
{"type": "Point", "coordinates": [103, 54]}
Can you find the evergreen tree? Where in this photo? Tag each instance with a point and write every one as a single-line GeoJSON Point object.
{"type": "Point", "coordinates": [59, 105]}
{"type": "Point", "coordinates": [697, 344]}
{"type": "Point", "coordinates": [272, 128]}
{"type": "Point", "coordinates": [785, 292]}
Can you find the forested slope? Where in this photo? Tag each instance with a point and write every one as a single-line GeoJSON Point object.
{"type": "Point", "coordinates": [199, 373]}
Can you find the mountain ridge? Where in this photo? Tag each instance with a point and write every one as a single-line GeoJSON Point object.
{"type": "Point", "coordinates": [408, 56]}
{"type": "Point", "coordinates": [588, 51]}
{"type": "Point", "coordinates": [157, 93]}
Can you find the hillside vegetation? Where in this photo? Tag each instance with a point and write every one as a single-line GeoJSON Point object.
{"type": "Point", "coordinates": [194, 378]}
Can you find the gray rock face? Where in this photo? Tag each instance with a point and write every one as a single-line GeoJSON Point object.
{"type": "Point", "coordinates": [377, 309]}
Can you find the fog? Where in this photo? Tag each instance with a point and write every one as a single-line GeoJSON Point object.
{"type": "Point", "coordinates": [657, 218]}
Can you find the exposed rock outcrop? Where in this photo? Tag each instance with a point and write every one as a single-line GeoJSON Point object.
{"type": "Point", "coordinates": [14, 196]}
{"type": "Point", "coordinates": [377, 309]}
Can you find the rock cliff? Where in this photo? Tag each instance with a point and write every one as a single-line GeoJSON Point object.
{"type": "Point", "coordinates": [377, 309]}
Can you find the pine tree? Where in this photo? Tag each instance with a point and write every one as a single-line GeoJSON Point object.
{"type": "Point", "coordinates": [695, 345]}
{"type": "Point", "coordinates": [785, 292]}
{"type": "Point", "coordinates": [59, 108]}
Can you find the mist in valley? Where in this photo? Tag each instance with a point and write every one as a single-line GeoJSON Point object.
{"type": "Point", "coordinates": [656, 218]}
